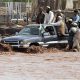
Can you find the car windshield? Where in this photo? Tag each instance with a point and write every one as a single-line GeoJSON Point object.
{"type": "Point", "coordinates": [30, 30]}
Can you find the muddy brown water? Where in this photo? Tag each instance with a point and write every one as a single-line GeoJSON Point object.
{"type": "Point", "coordinates": [32, 49]}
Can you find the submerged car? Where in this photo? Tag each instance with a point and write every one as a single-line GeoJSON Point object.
{"type": "Point", "coordinates": [35, 34]}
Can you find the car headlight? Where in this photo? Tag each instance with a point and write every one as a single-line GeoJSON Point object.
{"type": "Point", "coordinates": [24, 42]}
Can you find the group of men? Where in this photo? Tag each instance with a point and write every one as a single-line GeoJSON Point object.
{"type": "Point", "coordinates": [62, 25]}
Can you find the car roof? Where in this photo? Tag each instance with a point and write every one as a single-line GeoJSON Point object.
{"type": "Point", "coordinates": [39, 25]}
{"type": "Point", "coordinates": [33, 25]}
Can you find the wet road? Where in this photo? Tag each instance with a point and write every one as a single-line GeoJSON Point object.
{"type": "Point", "coordinates": [52, 66]}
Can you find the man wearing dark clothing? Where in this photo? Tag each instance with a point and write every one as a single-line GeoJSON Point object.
{"type": "Point", "coordinates": [69, 24]}
{"type": "Point", "coordinates": [72, 34]}
{"type": "Point", "coordinates": [40, 16]}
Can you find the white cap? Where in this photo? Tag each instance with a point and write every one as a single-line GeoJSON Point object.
{"type": "Point", "coordinates": [60, 18]}
{"type": "Point", "coordinates": [59, 10]}
{"type": "Point", "coordinates": [70, 20]}
{"type": "Point", "coordinates": [74, 29]}
{"type": "Point", "coordinates": [48, 7]}
{"type": "Point", "coordinates": [74, 24]}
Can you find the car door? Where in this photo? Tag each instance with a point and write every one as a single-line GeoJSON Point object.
{"type": "Point", "coordinates": [50, 37]}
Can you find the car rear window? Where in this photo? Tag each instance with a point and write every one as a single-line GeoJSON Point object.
{"type": "Point", "coordinates": [50, 29]}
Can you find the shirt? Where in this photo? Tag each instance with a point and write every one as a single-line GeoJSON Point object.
{"type": "Point", "coordinates": [76, 18]}
{"type": "Point", "coordinates": [49, 17]}
{"type": "Point", "coordinates": [40, 18]}
{"type": "Point", "coordinates": [61, 26]}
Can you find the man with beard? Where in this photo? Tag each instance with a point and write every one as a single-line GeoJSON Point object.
{"type": "Point", "coordinates": [49, 16]}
